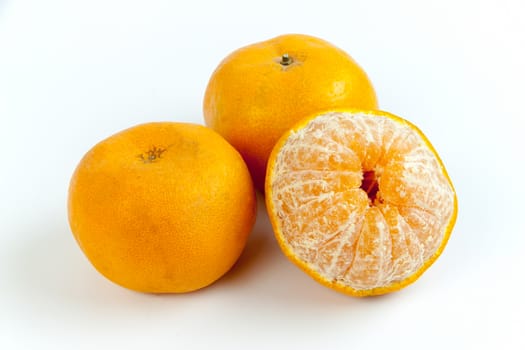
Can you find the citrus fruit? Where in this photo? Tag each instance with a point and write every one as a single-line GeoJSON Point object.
{"type": "Point", "coordinates": [162, 207]}
{"type": "Point", "coordinates": [359, 200]}
{"type": "Point", "coordinates": [261, 90]}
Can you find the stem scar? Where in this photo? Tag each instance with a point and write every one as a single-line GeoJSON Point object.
{"type": "Point", "coordinates": [152, 155]}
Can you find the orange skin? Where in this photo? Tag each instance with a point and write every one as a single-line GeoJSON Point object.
{"type": "Point", "coordinates": [162, 207]}
{"type": "Point", "coordinates": [256, 93]}
{"type": "Point", "coordinates": [335, 285]}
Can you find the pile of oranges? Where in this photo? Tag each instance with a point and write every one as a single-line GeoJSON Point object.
{"type": "Point", "coordinates": [358, 198]}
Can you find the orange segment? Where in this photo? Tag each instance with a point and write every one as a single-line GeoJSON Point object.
{"type": "Point", "coordinates": [359, 200]}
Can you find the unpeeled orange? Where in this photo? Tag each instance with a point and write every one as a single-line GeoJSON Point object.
{"type": "Point", "coordinates": [359, 200]}
{"type": "Point", "coordinates": [162, 207]}
{"type": "Point", "coordinates": [261, 90]}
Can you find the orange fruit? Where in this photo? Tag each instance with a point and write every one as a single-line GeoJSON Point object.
{"type": "Point", "coordinates": [162, 207]}
{"type": "Point", "coordinates": [359, 200]}
{"type": "Point", "coordinates": [261, 90]}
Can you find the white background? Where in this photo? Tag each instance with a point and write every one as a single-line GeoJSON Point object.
{"type": "Point", "coordinates": [75, 72]}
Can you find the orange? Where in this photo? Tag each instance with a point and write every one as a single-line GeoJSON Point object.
{"type": "Point", "coordinates": [359, 200]}
{"type": "Point", "coordinates": [162, 207]}
{"type": "Point", "coordinates": [261, 90]}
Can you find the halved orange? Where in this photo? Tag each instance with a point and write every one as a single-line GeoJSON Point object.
{"type": "Point", "coordinates": [359, 200]}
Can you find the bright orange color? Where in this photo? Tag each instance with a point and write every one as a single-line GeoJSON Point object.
{"type": "Point", "coordinates": [162, 207]}
{"type": "Point", "coordinates": [359, 200]}
{"type": "Point", "coordinates": [257, 92]}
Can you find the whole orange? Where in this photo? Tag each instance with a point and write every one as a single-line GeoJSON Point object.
{"type": "Point", "coordinates": [258, 92]}
{"type": "Point", "coordinates": [162, 207]}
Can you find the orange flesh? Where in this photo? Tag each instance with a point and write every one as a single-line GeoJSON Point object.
{"type": "Point", "coordinates": [361, 200]}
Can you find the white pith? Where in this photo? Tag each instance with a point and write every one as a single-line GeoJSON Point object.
{"type": "Point", "coordinates": [327, 220]}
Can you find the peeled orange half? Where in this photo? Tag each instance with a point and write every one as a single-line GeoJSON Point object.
{"type": "Point", "coordinates": [359, 200]}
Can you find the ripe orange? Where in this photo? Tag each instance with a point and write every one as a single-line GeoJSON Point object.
{"type": "Point", "coordinates": [359, 200]}
{"type": "Point", "coordinates": [261, 90]}
{"type": "Point", "coordinates": [162, 207]}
